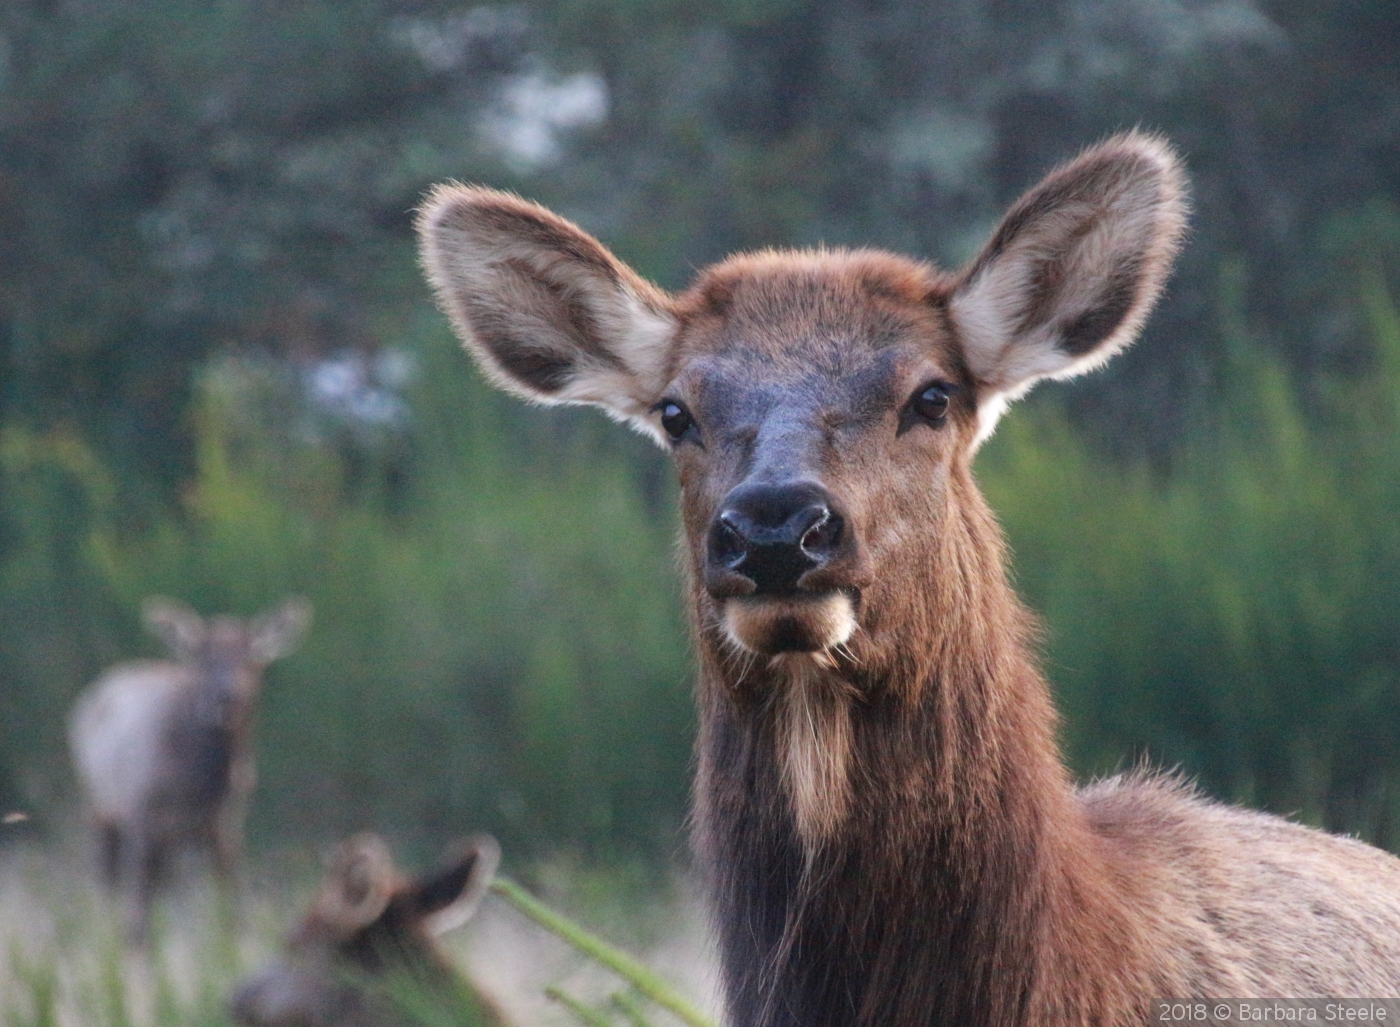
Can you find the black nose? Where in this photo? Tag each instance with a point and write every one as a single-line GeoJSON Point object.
{"type": "Point", "coordinates": [765, 537]}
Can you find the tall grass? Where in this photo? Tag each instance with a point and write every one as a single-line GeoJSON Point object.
{"type": "Point", "coordinates": [63, 962]}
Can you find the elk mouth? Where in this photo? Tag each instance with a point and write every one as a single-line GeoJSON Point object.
{"type": "Point", "coordinates": [796, 623]}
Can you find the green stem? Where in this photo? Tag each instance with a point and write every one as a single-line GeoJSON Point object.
{"type": "Point", "coordinates": [619, 962]}
{"type": "Point", "coordinates": [573, 1005]}
{"type": "Point", "coordinates": [631, 1008]}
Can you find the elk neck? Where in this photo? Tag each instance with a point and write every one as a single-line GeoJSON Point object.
{"type": "Point", "coordinates": [906, 806]}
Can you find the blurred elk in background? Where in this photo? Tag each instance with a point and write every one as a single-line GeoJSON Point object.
{"type": "Point", "coordinates": [364, 954]}
{"type": "Point", "coordinates": [163, 749]}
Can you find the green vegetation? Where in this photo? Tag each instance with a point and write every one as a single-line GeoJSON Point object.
{"type": "Point", "coordinates": [62, 959]}
{"type": "Point", "coordinates": [642, 980]}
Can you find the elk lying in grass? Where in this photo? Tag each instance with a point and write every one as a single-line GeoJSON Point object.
{"type": "Point", "coordinates": [363, 955]}
{"type": "Point", "coordinates": [892, 835]}
{"type": "Point", "coordinates": [163, 749]}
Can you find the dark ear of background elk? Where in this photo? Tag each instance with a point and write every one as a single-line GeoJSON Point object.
{"type": "Point", "coordinates": [891, 835]}
{"type": "Point", "coordinates": [163, 749]}
{"type": "Point", "coordinates": [364, 956]}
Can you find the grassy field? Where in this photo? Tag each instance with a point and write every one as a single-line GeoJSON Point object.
{"type": "Point", "coordinates": [63, 963]}
{"type": "Point", "coordinates": [62, 960]}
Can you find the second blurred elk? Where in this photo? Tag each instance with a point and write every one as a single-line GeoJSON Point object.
{"type": "Point", "coordinates": [163, 748]}
{"type": "Point", "coordinates": [364, 954]}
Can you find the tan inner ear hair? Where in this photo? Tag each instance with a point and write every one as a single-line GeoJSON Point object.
{"type": "Point", "coordinates": [1072, 272]}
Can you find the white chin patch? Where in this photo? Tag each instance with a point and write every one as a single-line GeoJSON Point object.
{"type": "Point", "coordinates": [796, 624]}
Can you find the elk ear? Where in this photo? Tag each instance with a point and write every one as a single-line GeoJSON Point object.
{"type": "Point", "coordinates": [175, 624]}
{"type": "Point", "coordinates": [546, 310]}
{"type": "Point", "coordinates": [360, 881]}
{"type": "Point", "coordinates": [278, 632]}
{"type": "Point", "coordinates": [1073, 270]}
{"type": "Point", "coordinates": [448, 898]}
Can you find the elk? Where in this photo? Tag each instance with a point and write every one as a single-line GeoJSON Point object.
{"type": "Point", "coordinates": [890, 832]}
{"type": "Point", "coordinates": [163, 750]}
{"type": "Point", "coordinates": [363, 955]}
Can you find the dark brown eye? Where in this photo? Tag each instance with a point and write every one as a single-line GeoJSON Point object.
{"type": "Point", "coordinates": [675, 419]}
{"type": "Point", "coordinates": [932, 403]}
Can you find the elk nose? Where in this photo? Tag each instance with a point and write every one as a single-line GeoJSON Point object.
{"type": "Point", "coordinates": [766, 537]}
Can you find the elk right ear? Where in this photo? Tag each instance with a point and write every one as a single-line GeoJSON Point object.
{"type": "Point", "coordinates": [1073, 270]}
{"type": "Point", "coordinates": [546, 310]}
{"type": "Point", "coordinates": [278, 632]}
{"type": "Point", "coordinates": [448, 898]}
{"type": "Point", "coordinates": [175, 624]}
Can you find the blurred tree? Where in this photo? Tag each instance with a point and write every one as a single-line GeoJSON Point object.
{"type": "Point", "coordinates": [174, 177]}
{"type": "Point", "coordinates": [739, 124]}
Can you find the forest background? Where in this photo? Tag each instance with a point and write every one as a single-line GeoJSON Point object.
{"type": "Point", "coordinates": [222, 379]}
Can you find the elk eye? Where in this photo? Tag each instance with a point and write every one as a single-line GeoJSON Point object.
{"type": "Point", "coordinates": [932, 402]}
{"type": "Point", "coordinates": [675, 419]}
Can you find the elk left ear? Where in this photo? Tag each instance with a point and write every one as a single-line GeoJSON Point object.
{"type": "Point", "coordinates": [278, 632]}
{"type": "Point", "coordinates": [1073, 270]}
{"type": "Point", "coordinates": [359, 883]}
{"type": "Point", "coordinates": [448, 898]}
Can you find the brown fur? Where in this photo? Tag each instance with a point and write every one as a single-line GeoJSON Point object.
{"type": "Point", "coordinates": [164, 749]}
{"type": "Point", "coordinates": [364, 954]}
{"type": "Point", "coordinates": [891, 832]}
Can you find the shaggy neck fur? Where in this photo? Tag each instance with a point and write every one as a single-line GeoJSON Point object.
{"type": "Point", "coordinates": [894, 839]}
{"type": "Point", "coordinates": [812, 722]}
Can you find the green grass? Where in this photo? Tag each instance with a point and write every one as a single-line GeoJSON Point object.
{"type": "Point", "coordinates": [642, 980]}
{"type": "Point", "coordinates": [63, 960]}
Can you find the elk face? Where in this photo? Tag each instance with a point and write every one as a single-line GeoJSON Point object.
{"type": "Point", "coordinates": [817, 405]}
{"type": "Point", "coordinates": [821, 406]}
{"type": "Point", "coordinates": [368, 929]}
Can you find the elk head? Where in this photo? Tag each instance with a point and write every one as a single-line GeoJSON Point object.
{"type": "Point", "coordinates": [369, 929]}
{"type": "Point", "coordinates": [226, 654]}
{"type": "Point", "coordinates": [821, 406]}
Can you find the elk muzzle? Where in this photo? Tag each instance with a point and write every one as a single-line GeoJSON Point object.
{"type": "Point", "coordinates": [779, 559]}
